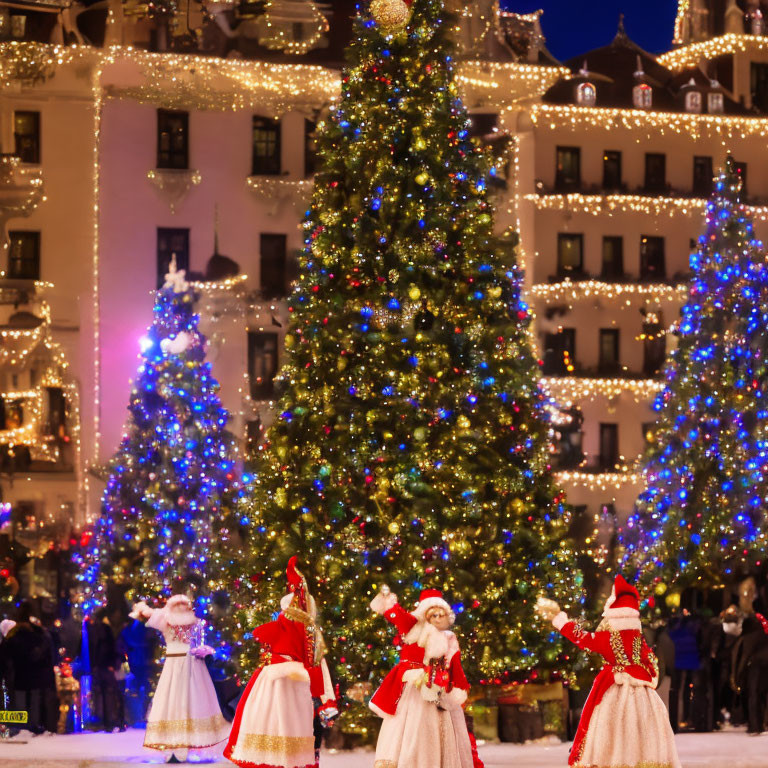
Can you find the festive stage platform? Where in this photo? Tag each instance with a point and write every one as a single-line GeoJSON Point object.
{"type": "Point", "coordinates": [730, 749]}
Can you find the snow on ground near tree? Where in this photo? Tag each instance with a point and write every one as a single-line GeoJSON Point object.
{"type": "Point", "coordinates": [729, 749]}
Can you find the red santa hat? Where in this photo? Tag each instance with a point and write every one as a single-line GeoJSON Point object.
{"type": "Point", "coordinates": [622, 608]}
{"type": "Point", "coordinates": [431, 598]}
{"type": "Point", "coordinates": [298, 595]}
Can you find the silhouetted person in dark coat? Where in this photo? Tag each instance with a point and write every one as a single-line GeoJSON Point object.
{"type": "Point", "coordinates": [29, 657]}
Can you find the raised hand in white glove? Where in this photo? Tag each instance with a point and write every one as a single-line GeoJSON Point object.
{"type": "Point", "coordinates": [384, 601]}
{"type": "Point", "coordinates": [546, 609]}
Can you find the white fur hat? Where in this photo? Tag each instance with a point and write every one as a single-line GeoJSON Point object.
{"type": "Point", "coordinates": [431, 598]}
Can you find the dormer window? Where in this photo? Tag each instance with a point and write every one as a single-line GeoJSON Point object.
{"type": "Point", "coordinates": [642, 96]}
{"type": "Point", "coordinates": [586, 95]}
{"type": "Point", "coordinates": [715, 102]}
{"type": "Point", "coordinates": [693, 101]}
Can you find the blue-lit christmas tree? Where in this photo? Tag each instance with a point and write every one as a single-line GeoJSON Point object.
{"type": "Point", "coordinates": [702, 515]}
{"type": "Point", "coordinates": [411, 444]}
{"type": "Point", "coordinates": [168, 518]}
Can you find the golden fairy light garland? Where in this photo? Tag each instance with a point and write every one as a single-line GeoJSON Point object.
{"type": "Point", "coordinates": [690, 55]}
{"type": "Point", "coordinates": [567, 290]}
{"type": "Point", "coordinates": [517, 80]}
{"type": "Point", "coordinates": [683, 6]}
{"type": "Point", "coordinates": [576, 388]}
{"type": "Point", "coordinates": [695, 126]}
{"type": "Point", "coordinates": [601, 481]}
{"type": "Point", "coordinates": [276, 35]}
{"type": "Point", "coordinates": [205, 82]}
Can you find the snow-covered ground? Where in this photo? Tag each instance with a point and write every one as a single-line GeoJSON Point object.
{"type": "Point", "coordinates": [730, 749]}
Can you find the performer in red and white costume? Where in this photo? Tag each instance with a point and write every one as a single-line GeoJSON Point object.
{"type": "Point", "coordinates": [273, 723]}
{"type": "Point", "coordinates": [624, 722]}
{"type": "Point", "coordinates": [185, 712]}
{"type": "Point", "coordinates": [421, 698]}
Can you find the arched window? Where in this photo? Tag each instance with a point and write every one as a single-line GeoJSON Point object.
{"type": "Point", "coordinates": [586, 95]}
{"type": "Point", "coordinates": [693, 101]}
{"type": "Point", "coordinates": [715, 102]}
{"type": "Point", "coordinates": [642, 96]}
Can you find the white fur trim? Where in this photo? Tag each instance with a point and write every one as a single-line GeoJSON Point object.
{"type": "Point", "coordinates": [378, 711]}
{"type": "Point", "coordinates": [624, 678]}
{"type": "Point", "coordinates": [383, 603]}
{"type": "Point", "coordinates": [560, 620]}
{"type": "Point", "coordinates": [626, 623]}
{"type": "Point", "coordinates": [420, 611]}
{"type": "Point", "coordinates": [285, 602]}
{"type": "Point", "coordinates": [432, 640]}
{"type": "Point", "coordinates": [454, 699]}
{"type": "Point", "coordinates": [179, 611]}
{"type": "Point", "coordinates": [453, 645]}
{"type": "Point", "coordinates": [293, 670]}
{"type": "Point", "coordinates": [611, 599]}
{"type": "Point", "coordinates": [621, 613]}
{"type": "Point", "coordinates": [414, 675]}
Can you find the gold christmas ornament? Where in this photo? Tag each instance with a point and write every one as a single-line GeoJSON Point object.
{"type": "Point", "coordinates": [391, 15]}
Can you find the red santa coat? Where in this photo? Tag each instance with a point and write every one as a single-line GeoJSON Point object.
{"type": "Point", "coordinates": [425, 651]}
{"type": "Point", "coordinates": [283, 640]}
{"type": "Point", "coordinates": [625, 653]}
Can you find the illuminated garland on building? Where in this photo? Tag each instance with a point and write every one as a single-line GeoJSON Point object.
{"type": "Point", "coordinates": [568, 290]}
{"type": "Point", "coordinates": [507, 82]}
{"type": "Point", "coordinates": [690, 55]}
{"type": "Point", "coordinates": [277, 36]}
{"type": "Point", "coordinates": [569, 117]}
{"type": "Point", "coordinates": [573, 389]}
{"type": "Point", "coordinates": [683, 7]}
{"type": "Point", "coordinates": [599, 481]}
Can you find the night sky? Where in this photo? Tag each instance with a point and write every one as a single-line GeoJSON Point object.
{"type": "Point", "coordinates": [575, 27]}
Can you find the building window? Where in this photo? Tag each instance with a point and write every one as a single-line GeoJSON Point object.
{"type": "Point", "coordinates": [609, 350]}
{"type": "Point", "coordinates": [586, 95]}
{"type": "Point", "coordinates": [611, 170]}
{"type": "Point", "coordinates": [741, 169]}
{"type": "Point", "coordinates": [642, 96]}
{"type": "Point", "coordinates": [56, 420]}
{"type": "Point", "coordinates": [483, 125]}
{"type": "Point", "coordinates": [560, 352]}
{"type": "Point", "coordinates": [262, 363]}
{"type": "Point", "coordinates": [609, 447]}
{"type": "Point", "coordinates": [266, 147]}
{"type": "Point", "coordinates": [652, 266]}
{"type": "Point", "coordinates": [693, 101]}
{"type": "Point", "coordinates": [759, 85]}
{"type": "Point", "coordinates": [24, 256]}
{"type": "Point", "coordinates": [569, 437]}
{"type": "Point", "coordinates": [26, 132]}
{"type": "Point", "coordinates": [310, 148]}
{"type": "Point", "coordinates": [654, 345]}
{"type": "Point", "coordinates": [568, 173]}
{"type": "Point", "coordinates": [276, 273]}
{"type": "Point", "coordinates": [655, 172]}
{"type": "Point", "coordinates": [702, 176]}
{"type": "Point", "coordinates": [570, 255]}
{"type": "Point", "coordinates": [170, 243]}
{"type": "Point", "coordinates": [715, 103]}
{"type": "Point", "coordinates": [172, 139]}
{"type": "Point", "coordinates": [613, 258]}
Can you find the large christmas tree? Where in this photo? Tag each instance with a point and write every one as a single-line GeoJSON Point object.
{"type": "Point", "coordinates": [411, 442]}
{"type": "Point", "coordinates": [167, 518]}
{"type": "Point", "coordinates": [702, 515]}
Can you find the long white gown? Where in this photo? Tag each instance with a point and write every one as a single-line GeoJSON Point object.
{"type": "Point", "coordinates": [185, 712]}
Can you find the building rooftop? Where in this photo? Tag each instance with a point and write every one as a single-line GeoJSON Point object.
{"type": "Point", "coordinates": [618, 70]}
